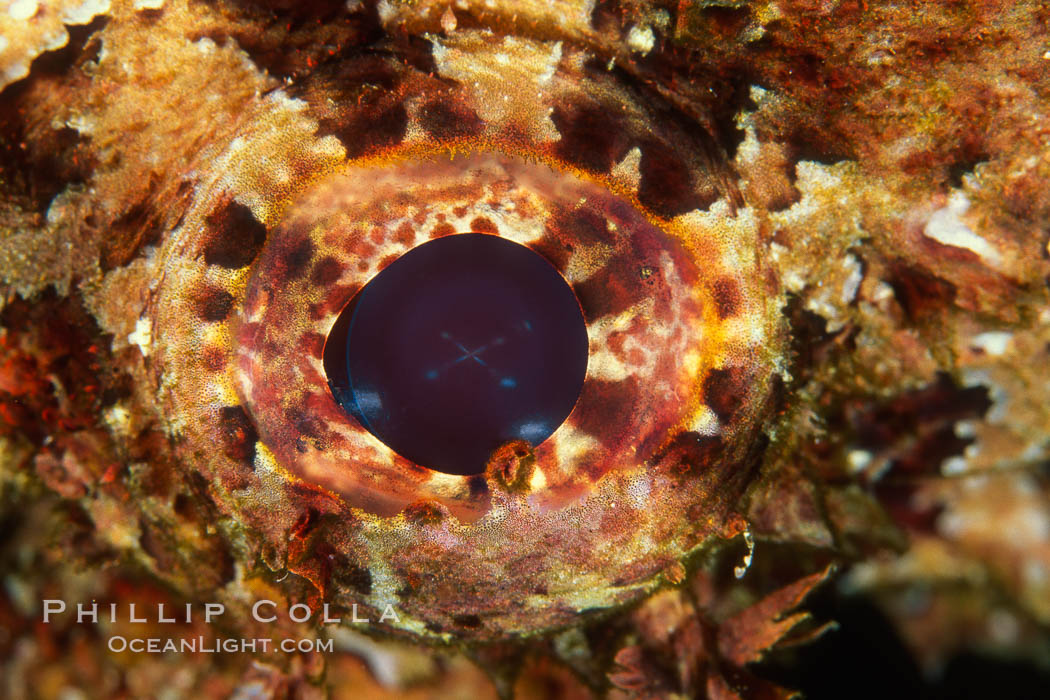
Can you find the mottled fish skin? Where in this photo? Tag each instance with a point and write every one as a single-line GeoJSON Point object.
{"type": "Point", "coordinates": [809, 241]}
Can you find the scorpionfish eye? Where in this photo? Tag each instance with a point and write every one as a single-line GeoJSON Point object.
{"type": "Point", "coordinates": [474, 319]}
{"type": "Point", "coordinates": [460, 345]}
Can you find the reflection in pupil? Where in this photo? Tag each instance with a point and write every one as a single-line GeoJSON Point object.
{"type": "Point", "coordinates": [459, 345]}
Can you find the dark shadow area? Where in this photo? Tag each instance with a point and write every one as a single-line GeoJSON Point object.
{"type": "Point", "coordinates": [866, 658]}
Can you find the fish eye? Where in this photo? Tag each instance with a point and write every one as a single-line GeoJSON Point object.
{"type": "Point", "coordinates": [462, 344]}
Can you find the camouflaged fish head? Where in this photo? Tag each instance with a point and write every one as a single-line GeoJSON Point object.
{"type": "Point", "coordinates": [808, 242]}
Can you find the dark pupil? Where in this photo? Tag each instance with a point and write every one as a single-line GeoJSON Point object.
{"type": "Point", "coordinates": [459, 345]}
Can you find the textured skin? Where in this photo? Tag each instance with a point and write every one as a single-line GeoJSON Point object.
{"type": "Point", "coordinates": [815, 322]}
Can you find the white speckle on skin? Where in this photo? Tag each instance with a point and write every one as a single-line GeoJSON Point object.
{"type": "Point", "coordinates": [117, 418]}
{"type": "Point", "coordinates": [813, 175]}
{"type": "Point", "coordinates": [552, 64]}
{"type": "Point", "coordinates": [705, 421]}
{"type": "Point", "coordinates": [85, 12]}
{"type": "Point", "coordinates": [81, 123]}
{"type": "Point", "coordinates": [993, 343]}
{"type": "Point", "coordinates": [794, 281]}
{"type": "Point", "coordinates": [882, 292]}
{"type": "Point", "coordinates": [757, 94]}
{"type": "Point", "coordinates": [858, 460]}
{"type": "Point", "coordinates": [820, 305]}
{"type": "Point", "coordinates": [630, 167]}
{"type": "Point", "coordinates": [385, 10]}
{"type": "Point", "coordinates": [571, 444]}
{"type": "Point", "coordinates": [641, 39]}
{"type": "Point", "coordinates": [206, 45]}
{"type": "Point", "coordinates": [448, 21]}
{"type": "Point", "coordinates": [22, 9]}
{"type": "Point", "coordinates": [147, 4]}
{"type": "Point", "coordinates": [954, 466]}
{"type": "Point", "coordinates": [749, 540]}
{"type": "Point", "coordinates": [946, 226]}
{"type": "Point", "coordinates": [852, 283]}
{"type": "Point", "coordinates": [749, 149]}
{"type": "Point", "coordinates": [142, 336]}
